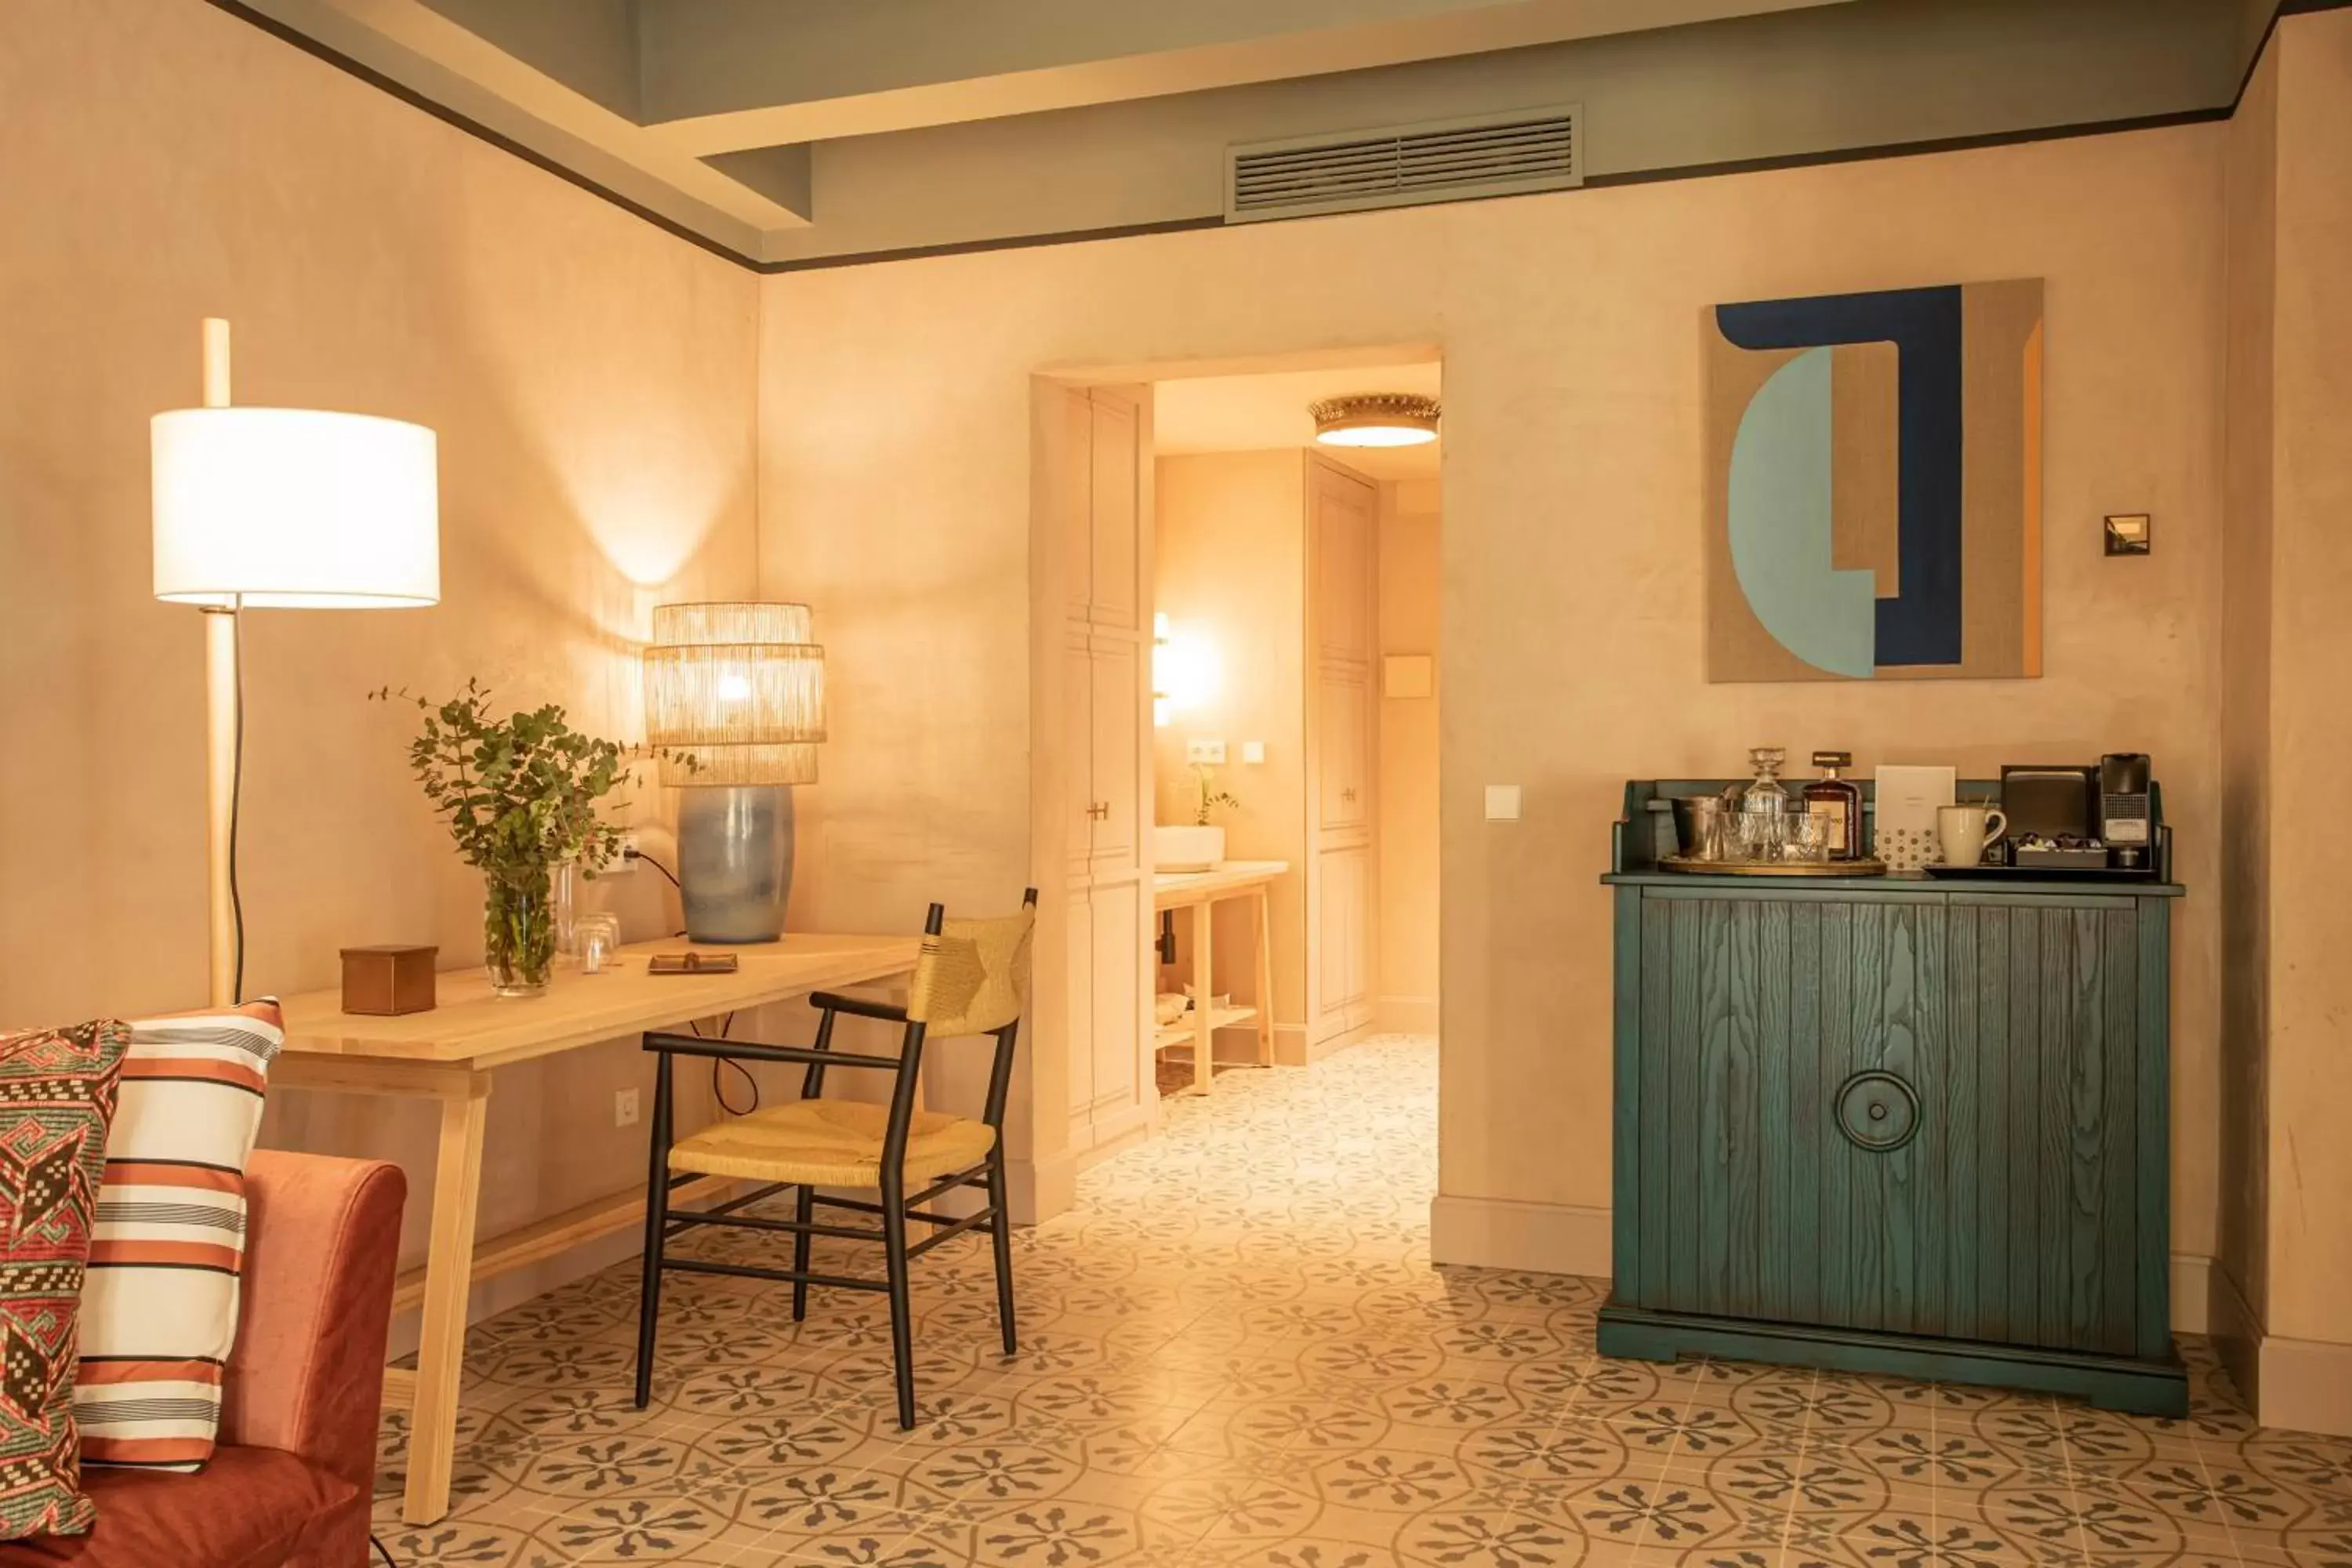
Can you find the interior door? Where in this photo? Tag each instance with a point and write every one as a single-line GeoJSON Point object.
{"type": "Point", "coordinates": [1342, 522]}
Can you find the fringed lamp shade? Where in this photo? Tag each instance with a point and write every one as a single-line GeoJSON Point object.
{"type": "Point", "coordinates": [740, 689]}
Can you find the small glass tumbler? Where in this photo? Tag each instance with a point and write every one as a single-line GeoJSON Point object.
{"type": "Point", "coordinates": [1805, 839]}
{"type": "Point", "coordinates": [599, 937]}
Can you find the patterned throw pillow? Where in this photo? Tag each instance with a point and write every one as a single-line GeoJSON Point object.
{"type": "Point", "coordinates": [57, 1095]}
{"type": "Point", "coordinates": [159, 1313]}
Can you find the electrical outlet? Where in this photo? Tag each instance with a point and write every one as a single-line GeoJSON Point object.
{"type": "Point", "coordinates": [624, 860]}
{"type": "Point", "coordinates": [624, 1108]}
{"type": "Point", "coordinates": [1197, 750]}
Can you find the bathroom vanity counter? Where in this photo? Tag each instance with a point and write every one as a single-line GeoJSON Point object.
{"type": "Point", "coordinates": [1894, 1124]}
{"type": "Point", "coordinates": [1201, 891]}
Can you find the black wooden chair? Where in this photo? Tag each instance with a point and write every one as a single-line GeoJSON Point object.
{"type": "Point", "coordinates": [970, 979]}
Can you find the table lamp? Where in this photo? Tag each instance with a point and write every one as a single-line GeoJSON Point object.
{"type": "Point", "coordinates": [735, 700]}
{"type": "Point", "coordinates": [279, 509]}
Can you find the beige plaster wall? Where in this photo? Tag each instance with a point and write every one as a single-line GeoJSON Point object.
{"type": "Point", "coordinates": [592, 380]}
{"type": "Point", "coordinates": [1231, 556]}
{"type": "Point", "coordinates": [2250, 220]}
{"type": "Point", "coordinates": [2309, 1069]}
{"type": "Point", "coordinates": [1411, 567]}
{"type": "Point", "coordinates": [896, 438]}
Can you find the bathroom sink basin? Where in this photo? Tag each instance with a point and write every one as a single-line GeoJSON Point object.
{"type": "Point", "coordinates": [1187, 849]}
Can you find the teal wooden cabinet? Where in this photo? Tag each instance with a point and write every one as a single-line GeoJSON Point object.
{"type": "Point", "coordinates": [1897, 1125]}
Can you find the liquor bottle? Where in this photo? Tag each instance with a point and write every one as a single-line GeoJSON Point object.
{"type": "Point", "coordinates": [1841, 802]}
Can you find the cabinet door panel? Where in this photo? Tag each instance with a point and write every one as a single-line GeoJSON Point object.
{"type": "Point", "coordinates": [1116, 743]}
{"type": "Point", "coordinates": [1072, 477]}
{"type": "Point", "coordinates": [1081, 1020]}
{"type": "Point", "coordinates": [1078, 743]}
{"type": "Point", "coordinates": [2044, 1091]}
{"type": "Point", "coordinates": [1116, 480]}
{"type": "Point", "coordinates": [1343, 778]}
{"type": "Point", "coordinates": [1341, 522]}
{"type": "Point", "coordinates": [1117, 959]}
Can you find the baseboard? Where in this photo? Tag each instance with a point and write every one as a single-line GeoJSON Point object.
{"type": "Point", "coordinates": [1499, 1232]}
{"type": "Point", "coordinates": [2193, 1293]}
{"type": "Point", "coordinates": [1292, 1048]}
{"type": "Point", "coordinates": [1406, 1016]}
{"type": "Point", "coordinates": [2305, 1385]}
{"type": "Point", "coordinates": [1037, 1190]}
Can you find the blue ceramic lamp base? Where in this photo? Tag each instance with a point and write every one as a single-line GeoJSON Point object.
{"type": "Point", "coordinates": [735, 860]}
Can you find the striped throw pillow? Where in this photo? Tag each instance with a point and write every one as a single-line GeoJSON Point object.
{"type": "Point", "coordinates": [158, 1308]}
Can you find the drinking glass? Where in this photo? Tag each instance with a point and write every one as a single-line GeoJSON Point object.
{"type": "Point", "coordinates": [1805, 837]}
{"type": "Point", "coordinates": [599, 937]}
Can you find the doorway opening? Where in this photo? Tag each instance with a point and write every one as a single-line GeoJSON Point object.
{"type": "Point", "coordinates": [1294, 596]}
{"type": "Point", "coordinates": [1246, 673]}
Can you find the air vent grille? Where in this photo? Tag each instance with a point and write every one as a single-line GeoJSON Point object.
{"type": "Point", "coordinates": [1445, 160]}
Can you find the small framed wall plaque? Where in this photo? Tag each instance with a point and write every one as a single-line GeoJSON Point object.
{"type": "Point", "coordinates": [2127, 533]}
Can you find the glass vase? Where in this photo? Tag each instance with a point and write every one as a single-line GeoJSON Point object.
{"type": "Point", "coordinates": [519, 932]}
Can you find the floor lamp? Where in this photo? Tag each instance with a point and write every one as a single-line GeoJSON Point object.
{"type": "Point", "coordinates": [279, 509]}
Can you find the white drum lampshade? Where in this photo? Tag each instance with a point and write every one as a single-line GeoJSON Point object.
{"type": "Point", "coordinates": [295, 508]}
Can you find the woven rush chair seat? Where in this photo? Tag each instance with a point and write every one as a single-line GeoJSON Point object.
{"type": "Point", "coordinates": [970, 980]}
{"type": "Point", "coordinates": [831, 1144]}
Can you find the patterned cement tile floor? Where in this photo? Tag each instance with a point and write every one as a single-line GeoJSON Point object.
{"type": "Point", "coordinates": [1235, 1351]}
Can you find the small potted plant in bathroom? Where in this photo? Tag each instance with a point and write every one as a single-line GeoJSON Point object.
{"type": "Point", "coordinates": [1198, 846]}
{"type": "Point", "coordinates": [521, 796]}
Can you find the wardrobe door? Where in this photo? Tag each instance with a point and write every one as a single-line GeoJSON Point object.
{"type": "Point", "coordinates": [1081, 1024]}
{"type": "Point", "coordinates": [1081, 808]}
{"type": "Point", "coordinates": [1115, 740]}
{"type": "Point", "coordinates": [1117, 479]}
{"type": "Point", "coordinates": [1118, 957]}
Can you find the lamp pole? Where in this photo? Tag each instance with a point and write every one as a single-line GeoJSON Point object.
{"type": "Point", "coordinates": [221, 699]}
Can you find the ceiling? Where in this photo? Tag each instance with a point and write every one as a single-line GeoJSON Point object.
{"type": "Point", "coordinates": [791, 133]}
{"type": "Point", "coordinates": [1263, 413]}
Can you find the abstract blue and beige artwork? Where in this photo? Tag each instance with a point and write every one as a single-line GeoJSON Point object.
{"type": "Point", "coordinates": [1874, 485]}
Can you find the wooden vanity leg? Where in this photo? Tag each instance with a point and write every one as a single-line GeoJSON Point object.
{"type": "Point", "coordinates": [1204, 1036]}
{"type": "Point", "coordinates": [1264, 921]}
{"type": "Point", "coordinates": [448, 1280]}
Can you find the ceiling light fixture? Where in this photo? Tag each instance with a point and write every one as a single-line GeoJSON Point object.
{"type": "Point", "coordinates": [1376, 419]}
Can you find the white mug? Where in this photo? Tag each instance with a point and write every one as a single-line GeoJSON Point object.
{"type": "Point", "coordinates": [1965, 830]}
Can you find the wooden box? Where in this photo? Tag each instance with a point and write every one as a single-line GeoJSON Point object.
{"type": "Point", "coordinates": [385, 980]}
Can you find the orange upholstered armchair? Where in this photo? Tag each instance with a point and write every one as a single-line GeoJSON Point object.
{"type": "Point", "coordinates": [291, 1483]}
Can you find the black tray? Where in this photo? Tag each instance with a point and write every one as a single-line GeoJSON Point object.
{"type": "Point", "coordinates": [2048, 873]}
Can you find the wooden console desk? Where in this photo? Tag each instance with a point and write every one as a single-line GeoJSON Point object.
{"type": "Point", "coordinates": [449, 1054]}
{"type": "Point", "coordinates": [1201, 891]}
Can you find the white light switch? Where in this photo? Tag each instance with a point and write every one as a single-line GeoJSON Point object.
{"type": "Point", "coordinates": [1502, 802]}
{"type": "Point", "coordinates": [1252, 751]}
{"type": "Point", "coordinates": [1211, 750]}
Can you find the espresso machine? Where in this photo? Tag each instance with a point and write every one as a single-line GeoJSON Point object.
{"type": "Point", "coordinates": [2075, 819]}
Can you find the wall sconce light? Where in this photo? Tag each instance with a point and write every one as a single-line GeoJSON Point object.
{"type": "Point", "coordinates": [1185, 671]}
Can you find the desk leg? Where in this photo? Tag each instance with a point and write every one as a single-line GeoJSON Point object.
{"type": "Point", "coordinates": [448, 1280]}
{"type": "Point", "coordinates": [1264, 977]}
{"type": "Point", "coordinates": [1204, 1066]}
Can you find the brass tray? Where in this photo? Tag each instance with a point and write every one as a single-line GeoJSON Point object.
{"type": "Point", "coordinates": [1868, 867]}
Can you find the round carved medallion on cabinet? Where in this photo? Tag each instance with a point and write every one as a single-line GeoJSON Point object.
{"type": "Point", "coordinates": [1877, 1110]}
